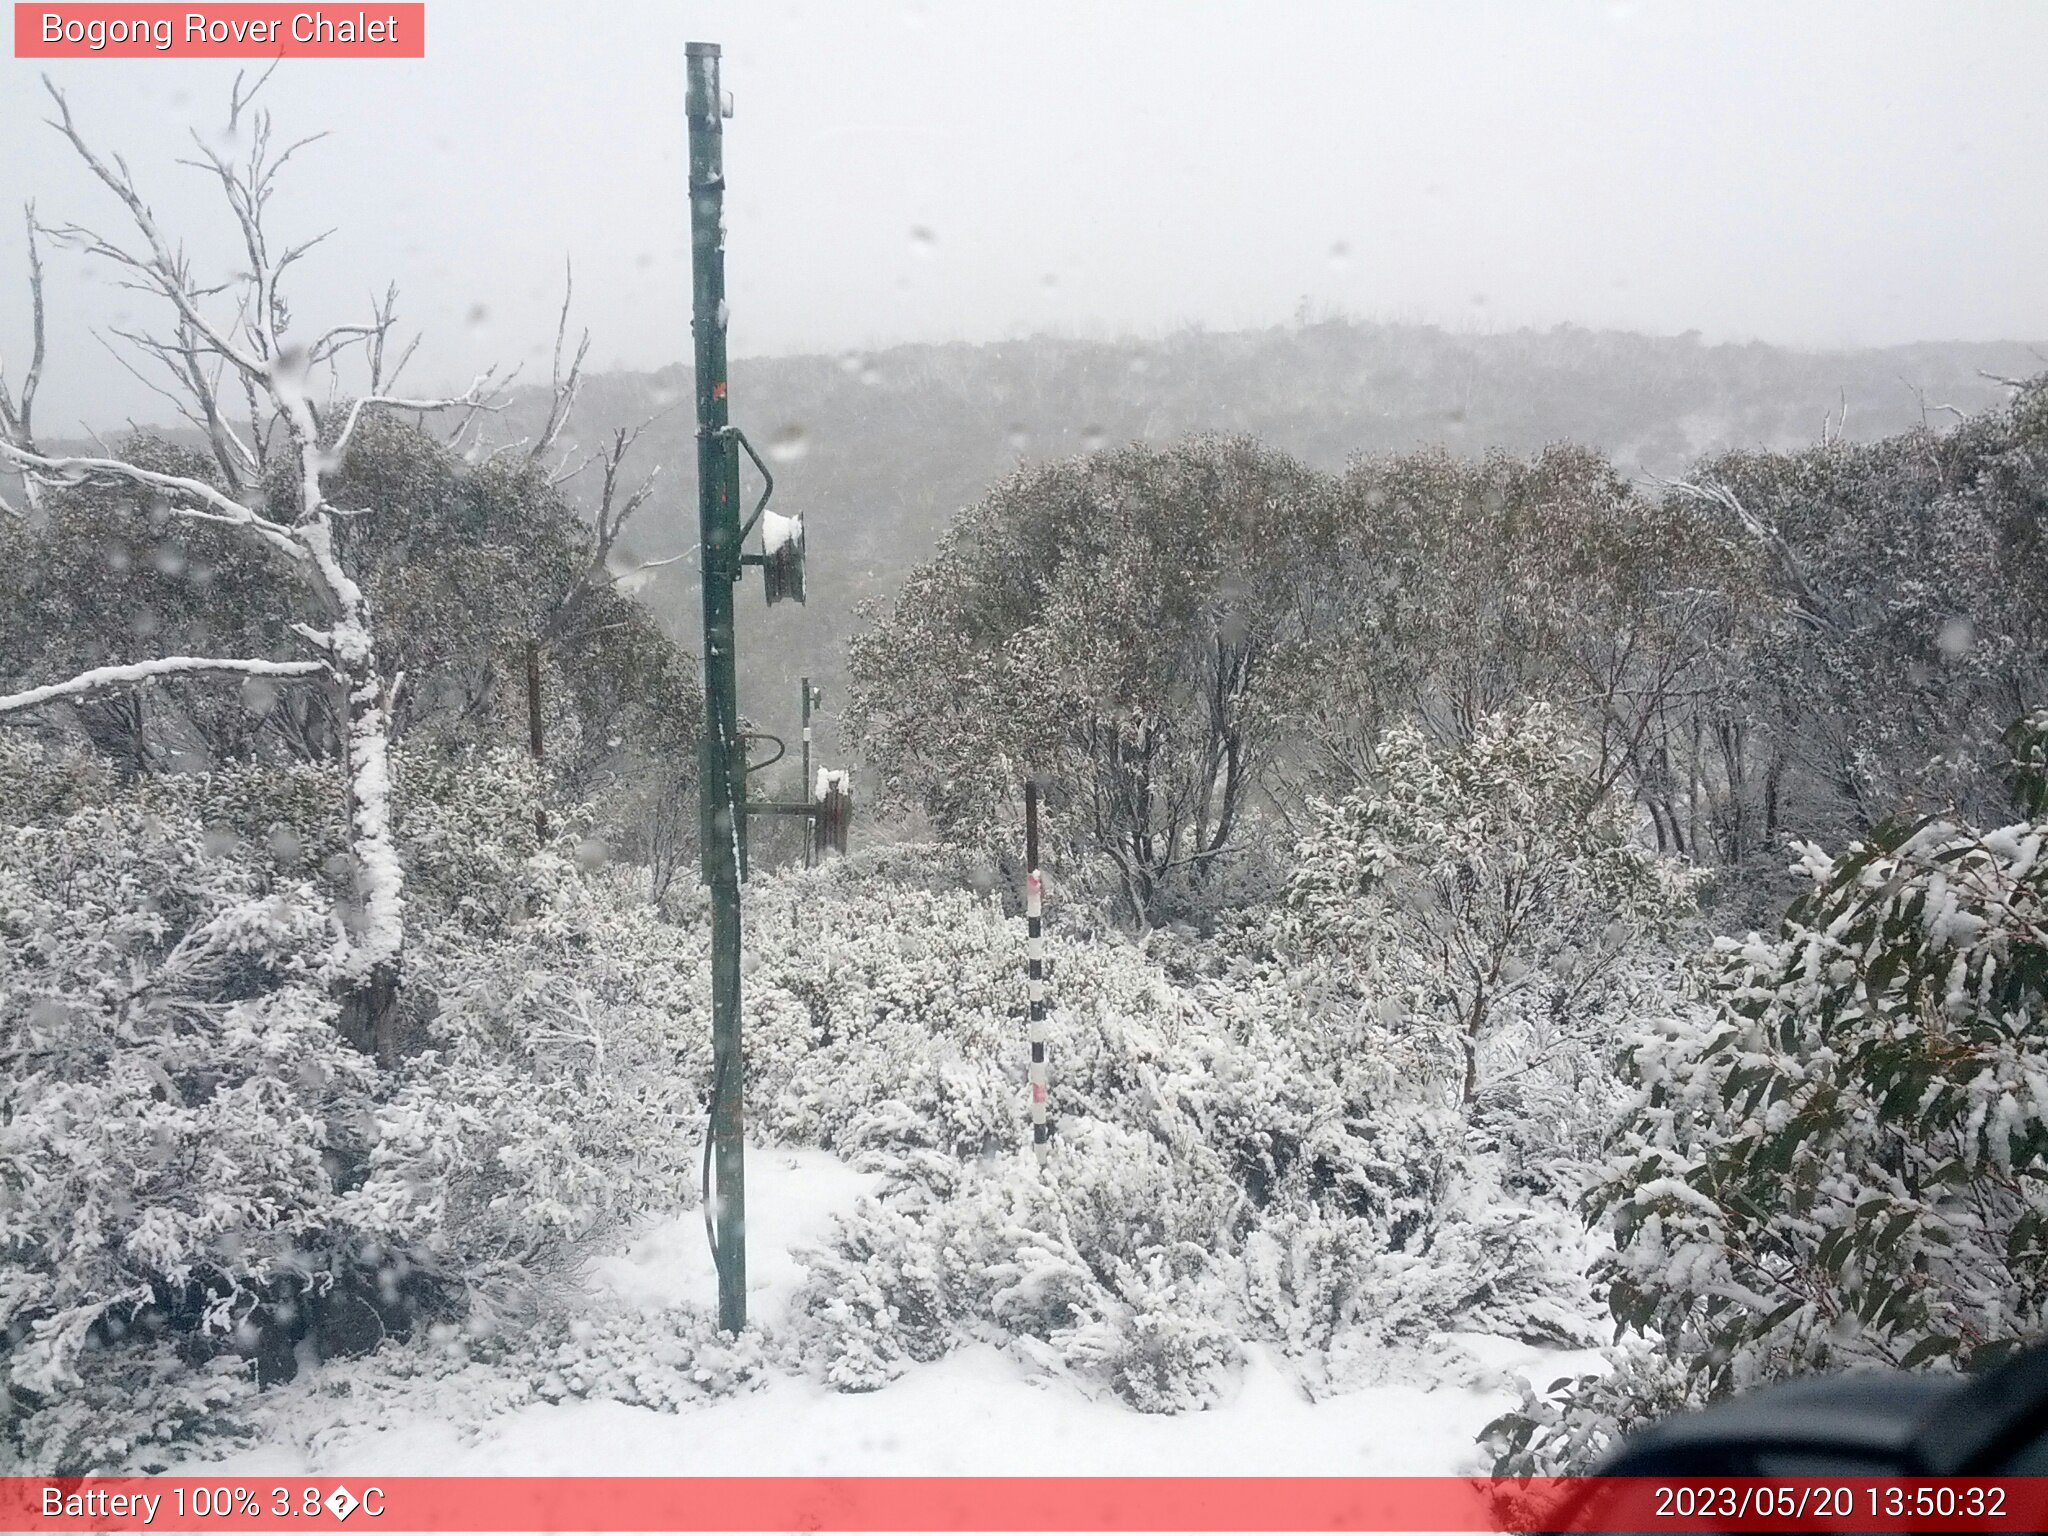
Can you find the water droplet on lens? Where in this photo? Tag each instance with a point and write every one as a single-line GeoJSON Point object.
{"type": "Point", "coordinates": [923, 242]}
{"type": "Point", "coordinates": [788, 444]}
{"type": "Point", "coordinates": [48, 1013]}
{"type": "Point", "coordinates": [259, 695]}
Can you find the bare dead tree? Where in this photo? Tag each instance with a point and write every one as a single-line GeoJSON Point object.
{"type": "Point", "coordinates": [17, 410]}
{"type": "Point", "coordinates": [239, 331]}
{"type": "Point", "coordinates": [616, 506]}
{"type": "Point", "coordinates": [564, 387]}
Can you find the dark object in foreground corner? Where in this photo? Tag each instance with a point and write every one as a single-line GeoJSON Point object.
{"type": "Point", "coordinates": [1866, 1424]}
{"type": "Point", "coordinates": [1877, 1424]}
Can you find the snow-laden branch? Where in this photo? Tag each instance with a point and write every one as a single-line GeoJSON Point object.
{"type": "Point", "coordinates": [1811, 607]}
{"type": "Point", "coordinates": [216, 506]}
{"type": "Point", "coordinates": [100, 679]}
{"type": "Point", "coordinates": [476, 398]}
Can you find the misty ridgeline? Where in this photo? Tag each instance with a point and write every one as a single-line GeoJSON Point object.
{"type": "Point", "coordinates": [1542, 837]}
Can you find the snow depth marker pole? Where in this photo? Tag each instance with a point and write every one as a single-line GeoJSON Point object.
{"type": "Point", "coordinates": [721, 769]}
{"type": "Point", "coordinates": [1034, 963]}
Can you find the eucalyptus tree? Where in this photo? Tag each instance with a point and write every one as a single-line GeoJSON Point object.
{"type": "Point", "coordinates": [1111, 625]}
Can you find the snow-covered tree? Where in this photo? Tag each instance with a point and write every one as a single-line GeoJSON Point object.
{"type": "Point", "coordinates": [237, 339]}
{"type": "Point", "coordinates": [1845, 1163]}
{"type": "Point", "coordinates": [1440, 591]}
{"type": "Point", "coordinates": [1492, 888]}
{"type": "Point", "coordinates": [1897, 623]}
{"type": "Point", "coordinates": [1106, 624]}
{"type": "Point", "coordinates": [1853, 1156]}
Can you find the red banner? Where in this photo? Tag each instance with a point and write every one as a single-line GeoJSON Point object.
{"type": "Point", "coordinates": [1021, 1504]}
{"type": "Point", "coordinates": [375, 30]}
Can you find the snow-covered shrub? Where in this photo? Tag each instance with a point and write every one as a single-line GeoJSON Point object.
{"type": "Point", "coordinates": [46, 783]}
{"type": "Point", "coordinates": [1566, 1426]}
{"type": "Point", "coordinates": [554, 1091]}
{"type": "Point", "coordinates": [467, 825]}
{"type": "Point", "coordinates": [178, 1104]}
{"type": "Point", "coordinates": [1515, 1271]}
{"type": "Point", "coordinates": [876, 1301]}
{"type": "Point", "coordinates": [1013, 1252]}
{"type": "Point", "coordinates": [1169, 1347]}
{"type": "Point", "coordinates": [1235, 1161]}
{"type": "Point", "coordinates": [1846, 1162]}
{"type": "Point", "coordinates": [282, 817]}
{"type": "Point", "coordinates": [663, 1360]}
{"type": "Point", "coordinates": [1309, 1281]}
{"type": "Point", "coordinates": [464, 1377]}
{"type": "Point", "coordinates": [884, 1018]}
{"type": "Point", "coordinates": [125, 1403]}
{"type": "Point", "coordinates": [191, 1154]}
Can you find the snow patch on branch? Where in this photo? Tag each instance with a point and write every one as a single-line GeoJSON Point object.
{"type": "Point", "coordinates": [101, 678]}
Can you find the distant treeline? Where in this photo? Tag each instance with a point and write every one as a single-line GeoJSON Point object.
{"type": "Point", "coordinates": [882, 450]}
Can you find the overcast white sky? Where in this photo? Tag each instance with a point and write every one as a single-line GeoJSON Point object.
{"type": "Point", "coordinates": [1817, 174]}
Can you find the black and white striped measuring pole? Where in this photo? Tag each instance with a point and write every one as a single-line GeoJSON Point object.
{"type": "Point", "coordinates": [1034, 966]}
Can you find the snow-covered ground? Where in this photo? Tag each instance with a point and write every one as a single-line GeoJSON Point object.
{"type": "Point", "coordinates": [979, 1411]}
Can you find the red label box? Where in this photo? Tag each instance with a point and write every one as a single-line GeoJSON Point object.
{"type": "Point", "coordinates": [243, 31]}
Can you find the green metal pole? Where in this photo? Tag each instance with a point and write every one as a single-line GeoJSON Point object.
{"type": "Point", "coordinates": [722, 791]}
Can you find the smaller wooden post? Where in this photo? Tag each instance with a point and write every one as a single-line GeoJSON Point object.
{"type": "Point", "coordinates": [810, 822]}
{"type": "Point", "coordinates": [1034, 967]}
